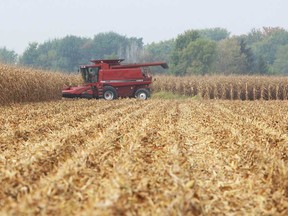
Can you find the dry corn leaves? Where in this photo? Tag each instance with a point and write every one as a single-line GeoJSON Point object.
{"type": "Point", "coordinates": [29, 85]}
{"type": "Point", "coordinates": [225, 87]}
{"type": "Point", "coordinates": [155, 157]}
{"type": "Point", "coordinates": [19, 84]}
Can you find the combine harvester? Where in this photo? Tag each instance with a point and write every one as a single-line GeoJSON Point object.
{"type": "Point", "coordinates": [109, 79]}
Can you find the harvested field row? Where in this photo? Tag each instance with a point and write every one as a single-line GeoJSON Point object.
{"type": "Point", "coordinates": [225, 87]}
{"type": "Point", "coordinates": [155, 157]}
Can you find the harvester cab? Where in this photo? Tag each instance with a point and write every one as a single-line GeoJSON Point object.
{"type": "Point", "coordinates": [89, 74]}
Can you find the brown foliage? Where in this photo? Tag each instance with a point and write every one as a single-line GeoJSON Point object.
{"type": "Point", "coordinates": [225, 87]}
{"type": "Point", "coordinates": [30, 85]}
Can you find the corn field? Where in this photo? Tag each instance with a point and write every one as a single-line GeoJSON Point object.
{"type": "Point", "coordinates": [225, 87]}
{"type": "Point", "coordinates": [30, 85]}
{"type": "Point", "coordinates": [154, 157]}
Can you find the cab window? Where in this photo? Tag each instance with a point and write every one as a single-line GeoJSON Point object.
{"type": "Point", "coordinates": [90, 75]}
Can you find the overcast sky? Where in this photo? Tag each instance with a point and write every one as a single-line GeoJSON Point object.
{"type": "Point", "coordinates": [22, 22]}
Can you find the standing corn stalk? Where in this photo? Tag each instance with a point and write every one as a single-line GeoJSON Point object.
{"type": "Point", "coordinates": [30, 85]}
{"type": "Point", "coordinates": [225, 87]}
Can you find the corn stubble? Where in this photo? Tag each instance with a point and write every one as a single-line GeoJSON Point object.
{"type": "Point", "coordinates": [130, 157]}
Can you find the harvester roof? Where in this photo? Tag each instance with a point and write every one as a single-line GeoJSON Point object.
{"type": "Point", "coordinates": [108, 61]}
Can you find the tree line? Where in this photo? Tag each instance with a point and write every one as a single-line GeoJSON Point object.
{"type": "Point", "coordinates": [205, 51]}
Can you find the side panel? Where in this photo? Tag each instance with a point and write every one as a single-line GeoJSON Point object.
{"type": "Point", "coordinates": [125, 91]}
{"type": "Point", "coordinates": [129, 91]}
{"type": "Point", "coordinates": [114, 75]}
{"type": "Point", "coordinates": [125, 81]}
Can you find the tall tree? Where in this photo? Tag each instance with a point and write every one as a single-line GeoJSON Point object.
{"type": "Point", "coordinates": [68, 53]}
{"type": "Point", "coordinates": [216, 34]}
{"type": "Point", "coordinates": [183, 40]}
{"type": "Point", "coordinates": [158, 51]}
{"type": "Point", "coordinates": [280, 65]}
{"type": "Point", "coordinates": [199, 56]}
{"type": "Point", "coordinates": [59, 54]}
{"type": "Point", "coordinates": [108, 43]}
{"type": "Point", "coordinates": [7, 56]}
{"type": "Point", "coordinates": [30, 55]}
{"type": "Point", "coordinates": [113, 44]}
{"type": "Point", "coordinates": [249, 57]}
{"type": "Point", "coordinates": [178, 64]}
{"type": "Point", "coordinates": [272, 39]}
{"type": "Point", "coordinates": [254, 36]}
{"type": "Point", "coordinates": [261, 66]}
{"type": "Point", "coordinates": [229, 58]}
{"type": "Point", "coordinates": [133, 50]}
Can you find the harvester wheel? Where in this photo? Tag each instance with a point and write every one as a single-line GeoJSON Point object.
{"type": "Point", "coordinates": [142, 94]}
{"type": "Point", "coordinates": [109, 93]}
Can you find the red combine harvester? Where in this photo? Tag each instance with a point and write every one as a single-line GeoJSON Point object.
{"type": "Point", "coordinates": [109, 79]}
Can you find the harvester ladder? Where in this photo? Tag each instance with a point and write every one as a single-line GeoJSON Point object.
{"type": "Point", "coordinates": [100, 92]}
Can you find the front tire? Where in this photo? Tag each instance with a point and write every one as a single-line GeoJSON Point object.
{"type": "Point", "coordinates": [142, 94]}
{"type": "Point", "coordinates": [109, 93]}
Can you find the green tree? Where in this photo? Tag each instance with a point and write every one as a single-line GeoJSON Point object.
{"type": "Point", "coordinates": [249, 64]}
{"type": "Point", "coordinates": [7, 56]}
{"type": "Point", "coordinates": [280, 65]}
{"type": "Point", "coordinates": [183, 40]}
{"type": "Point", "coordinates": [159, 51]}
{"type": "Point", "coordinates": [254, 36]}
{"type": "Point", "coordinates": [229, 58]}
{"type": "Point", "coordinates": [108, 43]}
{"type": "Point", "coordinates": [68, 53]}
{"type": "Point", "coordinates": [111, 43]}
{"type": "Point", "coordinates": [216, 34]}
{"type": "Point", "coordinates": [261, 65]}
{"type": "Point", "coordinates": [133, 50]}
{"type": "Point", "coordinates": [59, 54]}
{"type": "Point", "coordinates": [178, 64]}
{"type": "Point", "coordinates": [272, 40]}
{"type": "Point", "coordinates": [264, 44]}
{"type": "Point", "coordinates": [199, 56]}
{"type": "Point", "coordinates": [47, 56]}
{"type": "Point", "coordinates": [30, 55]}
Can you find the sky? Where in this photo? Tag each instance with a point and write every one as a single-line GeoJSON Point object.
{"type": "Point", "coordinates": [23, 22]}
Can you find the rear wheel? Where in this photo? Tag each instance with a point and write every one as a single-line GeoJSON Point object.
{"type": "Point", "coordinates": [142, 94]}
{"type": "Point", "coordinates": [109, 93]}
